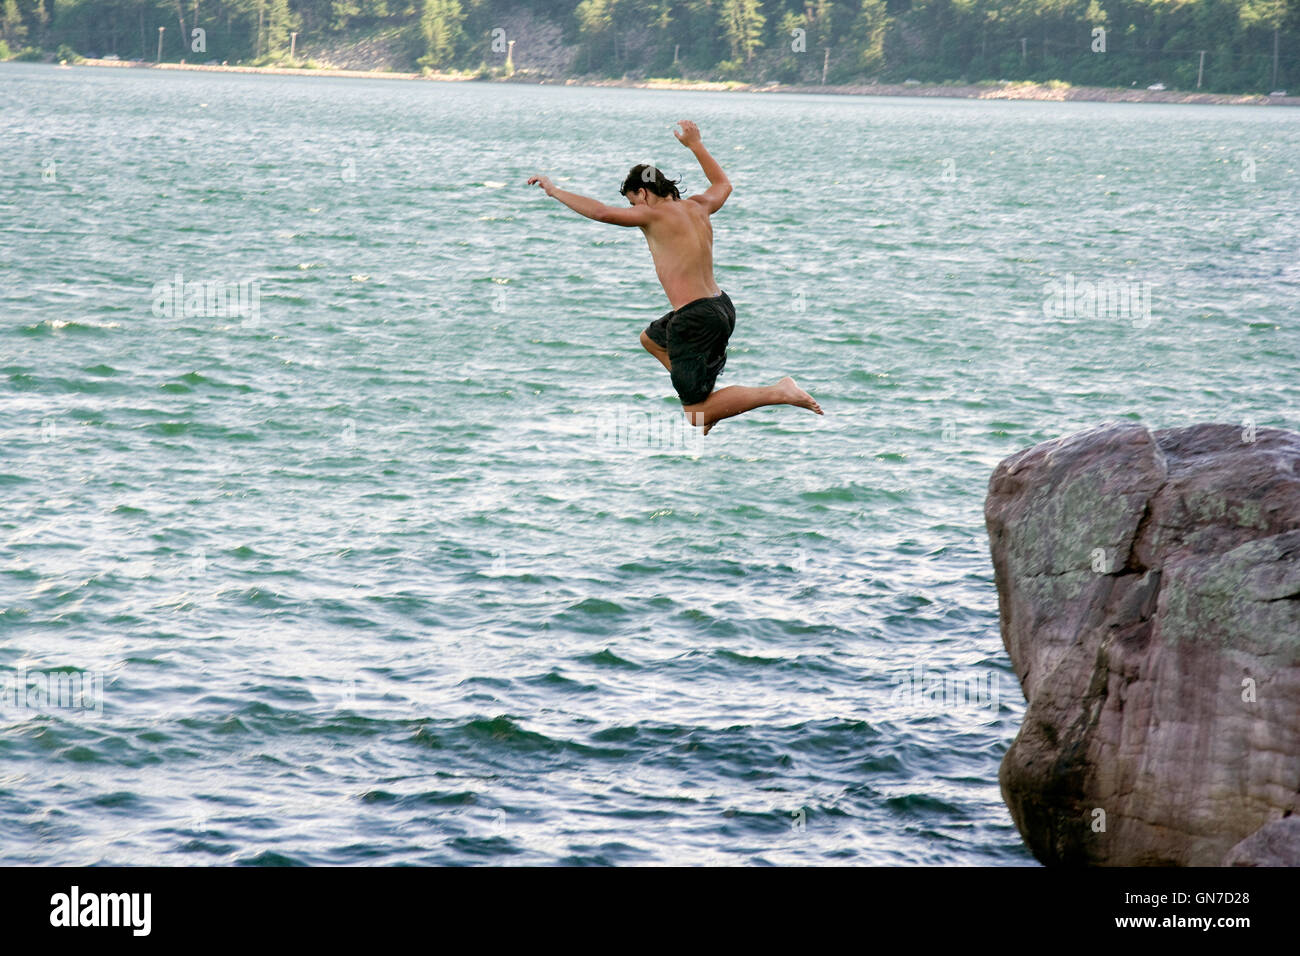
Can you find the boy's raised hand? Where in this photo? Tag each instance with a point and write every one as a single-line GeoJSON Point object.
{"type": "Point", "coordinates": [689, 135]}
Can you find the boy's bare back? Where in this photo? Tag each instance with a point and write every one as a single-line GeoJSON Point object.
{"type": "Point", "coordinates": [680, 238]}
{"type": "Point", "coordinates": [678, 231]}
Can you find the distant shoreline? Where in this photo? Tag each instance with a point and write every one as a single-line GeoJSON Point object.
{"type": "Point", "coordinates": [999, 91]}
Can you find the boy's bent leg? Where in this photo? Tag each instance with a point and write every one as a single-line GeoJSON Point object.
{"type": "Point", "coordinates": [654, 339]}
{"type": "Point", "coordinates": [657, 350]}
{"type": "Point", "coordinates": [738, 399]}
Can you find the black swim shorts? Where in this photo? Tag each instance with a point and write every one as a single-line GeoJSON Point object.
{"type": "Point", "coordinates": [696, 339]}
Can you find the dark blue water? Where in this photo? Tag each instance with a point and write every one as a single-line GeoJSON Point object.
{"type": "Point", "coordinates": [391, 547]}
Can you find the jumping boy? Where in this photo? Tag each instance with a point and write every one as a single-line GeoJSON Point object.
{"type": "Point", "coordinates": [690, 340]}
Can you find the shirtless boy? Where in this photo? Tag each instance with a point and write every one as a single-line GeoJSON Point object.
{"type": "Point", "coordinates": [690, 340]}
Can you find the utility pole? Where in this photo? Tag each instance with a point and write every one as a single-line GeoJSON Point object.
{"type": "Point", "coordinates": [158, 58]}
{"type": "Point", "coordinates": [1200, 70]}
{"type": "Point", "coordinates": [1275, 58]}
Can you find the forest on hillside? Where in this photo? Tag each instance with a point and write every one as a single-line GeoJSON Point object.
{"type": "Point", "coordinates": [1218, 45]}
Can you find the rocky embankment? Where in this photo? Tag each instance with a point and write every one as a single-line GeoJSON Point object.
{"type": "Point", "coordinates": [549, 66]}
{"type": "Point", "coordinates": [1149, 587]}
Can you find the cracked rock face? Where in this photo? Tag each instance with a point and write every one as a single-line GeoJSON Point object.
{"type": "Point", "coordinates": [1149, 590]}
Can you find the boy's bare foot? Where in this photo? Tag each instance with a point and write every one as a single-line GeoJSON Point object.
{"type": "Point", "coordinates": [797, 396]}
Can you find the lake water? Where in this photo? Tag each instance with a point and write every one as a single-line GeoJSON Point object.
{"type": "Point", "coordinates": [381, 541]}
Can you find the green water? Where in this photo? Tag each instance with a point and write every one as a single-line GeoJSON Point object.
{"type": "Point", "coordinates": [414, 563]}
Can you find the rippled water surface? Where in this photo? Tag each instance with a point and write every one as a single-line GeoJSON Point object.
{"type": "Point", "coordinates": [413, 564]}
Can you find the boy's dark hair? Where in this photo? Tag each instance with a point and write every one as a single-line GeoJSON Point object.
{"type": "Point", "coordinates": [643, 176]}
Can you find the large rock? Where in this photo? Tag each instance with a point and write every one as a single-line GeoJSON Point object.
{"type": "Point", "coordinates": [1149, 589]}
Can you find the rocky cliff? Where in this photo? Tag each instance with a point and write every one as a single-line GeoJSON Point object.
{"type": "Point", "coordinates": [1149, 588]}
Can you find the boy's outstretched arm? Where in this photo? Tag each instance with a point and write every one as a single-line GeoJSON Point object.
{"type": "Point", "coordinates": [719, 185]}
{"type": "Point", "coordinates": [593, 208]}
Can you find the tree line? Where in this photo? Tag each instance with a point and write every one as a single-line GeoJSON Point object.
{"type": "Point", "coordinates": [1218, 45]}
